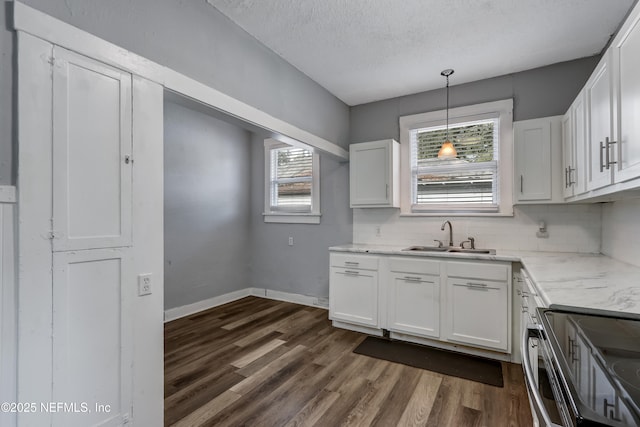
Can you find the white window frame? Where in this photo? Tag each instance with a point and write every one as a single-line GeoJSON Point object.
{"type": "Point", "coordinates": [291, 216]}
{"type": "Point", "coordinates": [503, 110]}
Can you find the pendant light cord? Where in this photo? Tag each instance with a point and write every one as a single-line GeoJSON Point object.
{"type": "Point", "coordinates": [446, 73]}
{"type": "Point", "coordinates": [447, 107]}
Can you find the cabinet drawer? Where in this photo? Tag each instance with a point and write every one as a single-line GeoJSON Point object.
{"type": "Point", "coordinates": [362, 262]}
{"type": "Point", "coordinates": [418, 266]}
{"type": "Point", "coordinates": [476, 270]}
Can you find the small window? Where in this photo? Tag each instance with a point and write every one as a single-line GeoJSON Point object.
{"type": "Point", "coordinates": [291, 178]}
{"type": "Point", "coordinates": [477, 180]}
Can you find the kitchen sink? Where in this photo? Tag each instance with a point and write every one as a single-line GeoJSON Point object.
{"type": "Point", "coordinates": [450, 249]}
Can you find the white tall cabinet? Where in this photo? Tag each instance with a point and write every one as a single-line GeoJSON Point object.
{"type": "Point", "coordinates": [88, 226]}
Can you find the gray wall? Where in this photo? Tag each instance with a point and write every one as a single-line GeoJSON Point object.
{"type": "Point", "coordinates": [304, 267]}
{"type": "Point", "coordinates": [541, 92]}
{"type": "Point", "coordinates": [198, 41]}
{"type": "Point", "coordinates": [207, 203]}
{"type": "Point", "coordinates": [6, 99]}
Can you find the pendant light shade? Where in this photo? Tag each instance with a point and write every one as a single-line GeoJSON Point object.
{"type": "Point", "coordinates": [447, 151]}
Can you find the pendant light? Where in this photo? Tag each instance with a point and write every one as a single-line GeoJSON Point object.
{"type": "Point", "coordinates": [447, 151]}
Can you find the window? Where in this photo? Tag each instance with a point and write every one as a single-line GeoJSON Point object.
{"type": "Point", "coordinates": [478, 180]}
{"type": "Point", "coordinates": [291, 183]}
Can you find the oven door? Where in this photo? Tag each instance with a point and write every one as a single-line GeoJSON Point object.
{"type": "Point", "coordinates": [549, 406]}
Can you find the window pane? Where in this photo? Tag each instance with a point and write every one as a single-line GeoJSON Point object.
{"type": "Point", "coordinates": [293, 163]}
{"type": "Point", "coordinates": [447, 188]}
{"type": "Point", "coordinates": [474, 142]}
{"type": "Point", "coordinates": [294, 193]}
{"type": "Point", "coordinates": [464, 182]}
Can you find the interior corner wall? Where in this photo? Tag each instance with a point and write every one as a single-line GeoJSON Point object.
{"type": "Point", "coordinates": [304, 267]}
{"type": "Point", "coordinates": [207, 203]}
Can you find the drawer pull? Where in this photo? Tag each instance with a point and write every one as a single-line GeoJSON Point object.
{"type": "Point", "coordinates": [476, 285]}
{"type": "Point", "coordinates": [351, 272]}
{"type": "Point", "coordinates": [412, 278]}
{"type": "Point", "coordinates": [353, 263]}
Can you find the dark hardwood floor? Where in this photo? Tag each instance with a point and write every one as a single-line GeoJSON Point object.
{"type": "Point", "coordinates": [259, 362]}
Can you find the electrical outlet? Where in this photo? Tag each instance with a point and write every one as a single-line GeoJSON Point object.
{"type": "Point", "coordinates": [144, 284]}
{"type": "Point", "coordinates": [290, 241]}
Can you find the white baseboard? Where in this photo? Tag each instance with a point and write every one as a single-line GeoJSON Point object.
{"type": "Point", "coordinates": [196, 307]}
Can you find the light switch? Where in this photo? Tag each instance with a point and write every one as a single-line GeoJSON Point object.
{"type": "Point", "coordinates": [144, 284]}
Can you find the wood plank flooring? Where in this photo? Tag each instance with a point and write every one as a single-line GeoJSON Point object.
{"type": "Point", "coordinates": [259, 362]}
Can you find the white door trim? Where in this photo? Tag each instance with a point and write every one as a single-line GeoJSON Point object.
{"type": "Point", "coordinates": [41, 25]}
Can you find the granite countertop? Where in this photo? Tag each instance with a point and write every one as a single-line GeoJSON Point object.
{"type": "Point", "coordinates": [588, 281]}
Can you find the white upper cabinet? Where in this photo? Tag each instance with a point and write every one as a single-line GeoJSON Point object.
{"type": "Point", "coordinates": [374, 174]}
{"type": "Point", "coordinates": [573, 145]}
{"type": "Point", "coordinates": [91, 154]}
{"type": "Point", "coordinates": [626, 57]}
{"type": "Point", "coordinates": [538, 146]}
{"type": "Point", "coordinates": [600, 112]}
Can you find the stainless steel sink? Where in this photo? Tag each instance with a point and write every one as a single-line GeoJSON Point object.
{"type": "Point", "coordinates": [450, 249]}
{"type": "Point", "coordinates": [425, 249]}
{"type": "Point", "coordinates": [472, 251]}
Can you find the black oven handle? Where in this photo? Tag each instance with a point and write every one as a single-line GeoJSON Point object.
{"type": "Point", "coordinates": [533, 331]}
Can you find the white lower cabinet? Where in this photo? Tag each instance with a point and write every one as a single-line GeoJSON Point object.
{"type": "Point", "coordinates": [478, 305]}
{"type": "Point", "coordinates": [413, 297]}
{"type": "Point", "coordinates": [424, 299]}
{"type": "Point", "coordinates": [353, 289]}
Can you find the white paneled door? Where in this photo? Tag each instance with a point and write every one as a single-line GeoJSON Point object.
{"type": "Point", "coordinates": [92, 337]}
{"type": "Point", "coordinates": [91, 154]}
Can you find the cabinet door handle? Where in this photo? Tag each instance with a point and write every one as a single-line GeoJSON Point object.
{"type": "Point", "coordinates": [386, 191]}
{"type": "Point", "coordinates": [571, 171]}
{"type": "Point", "coordinates": [601, 160]}
{"type": "Point", "coordinates": [610, 413]}
{"type": "Point", "coordinates": [566, 177]}
{"type": "Point", "coordinates": [521, 183]}
{"type": "Point", "coordinates": [608, 148]}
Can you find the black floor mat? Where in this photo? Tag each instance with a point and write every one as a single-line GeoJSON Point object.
{"type": "Point", "coordinates": [432, 359]}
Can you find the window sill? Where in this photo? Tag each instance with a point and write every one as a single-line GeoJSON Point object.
{"type": "Point", "coordinates": [292, 218]}
{"type": "Point", "coordinates": [454, 214]}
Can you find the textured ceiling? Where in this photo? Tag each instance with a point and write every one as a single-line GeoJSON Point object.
{"type": "Point", "coordinates": [367, 50]}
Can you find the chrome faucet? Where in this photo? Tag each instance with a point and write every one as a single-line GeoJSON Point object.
{"type": "Point", "coordinates": [450, 231]}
